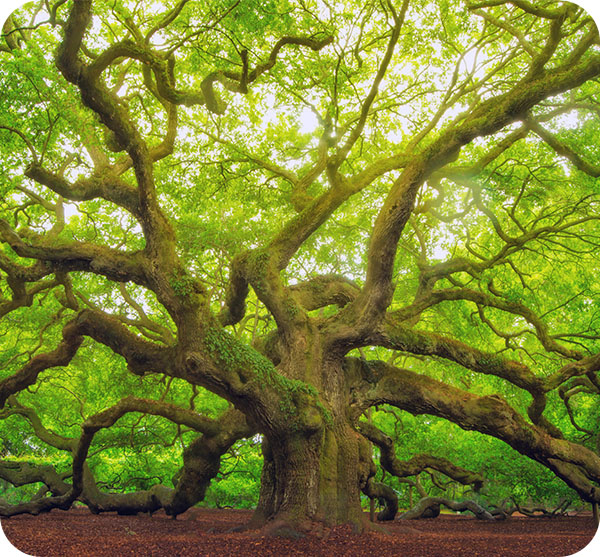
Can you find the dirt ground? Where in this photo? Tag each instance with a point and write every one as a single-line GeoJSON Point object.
{"type": "Point", "coordinates": [207, 532]}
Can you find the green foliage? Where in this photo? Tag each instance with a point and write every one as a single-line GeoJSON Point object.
{"type": "Point", "coordinates": [507, 473]}
{"type": "Point", "coordinates": [182, 284]}
{"type": "Point", "coordinates": [238, 482]}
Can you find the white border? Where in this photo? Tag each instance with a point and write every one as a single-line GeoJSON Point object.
{"type": "Point", "coordinates": [591, 550]}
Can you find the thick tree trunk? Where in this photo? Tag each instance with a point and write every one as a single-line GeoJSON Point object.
{"type": "Point", "coordinates": [315, 462]}
{"type": "Point", "coordinates": [311, 481]}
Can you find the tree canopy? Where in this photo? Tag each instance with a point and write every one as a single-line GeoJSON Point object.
{"type": "Point", "coordinates": [298, 223]}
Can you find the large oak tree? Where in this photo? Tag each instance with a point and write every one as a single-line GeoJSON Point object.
{"type": "Point", "coordinates": [309, 209]}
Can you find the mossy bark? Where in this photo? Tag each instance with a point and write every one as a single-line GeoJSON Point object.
{"type": "Point", "coordinates": [311, 481]}
{"type": "Point", "coordinates": [314, 468]}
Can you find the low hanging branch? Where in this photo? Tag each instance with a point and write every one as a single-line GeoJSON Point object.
{"type": "Point", "coordinates": [429, 507]}
{"type": "Point", "coordinates": [141, 356]}
{"type": "Point", "coordinates": [28, 374]}
{"type": "Point", "coordinates": [420, 394]}
{"type": "Point", "coordinates": [536, 511]}
{"type": "Point", "coordinates": [383, 492]}
{"type": "Point", "coordinates": [402, 469]}
{"type": "Point", "coordinates": [418, 463]}
{"type": "Point", "coordinates": [201, 462]}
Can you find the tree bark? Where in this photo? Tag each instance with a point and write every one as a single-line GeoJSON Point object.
{"type": "Point", "coordinates": [310, 481]}
{"type": "Point", "coordinates": [315, 462]}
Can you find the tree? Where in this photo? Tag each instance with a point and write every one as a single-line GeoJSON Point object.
{"type": "Point", "coordinates": [308, 209]}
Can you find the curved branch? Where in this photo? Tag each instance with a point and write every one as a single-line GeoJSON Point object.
{"type": "Point", "coordinates": [22, 297]}
{"type": "Point", "coordinates": [19, 474]}
{"type": "Point", "coordinates": [201, 459]}
{"type": "Point", "coordinates": [232, 81]}
{"type": "Point", "coordinates": [379, 490]}
{"type": "Point", "coordinates": [81, 256]}
{"type": "Point", "coordinates": [324, 290]}
{"type": "Point", "coordinates": [25, 140]}
{"type": "Point", "coordinates": [430, 506]}
{"type": "Point", "coordinates": [525, 5]}
{"type": "Point", "coordinates": [486, 300]}
{"type": "Point", "coordinates": [47, 436]}
{"type": "Point", "coordinates": [61, 356]}
{"type": "Point", "coordinates": [399, 337]}
{"type": "Point", "coordinates": [24, 473]}
{"type": "Point", "coordinates": [141, 356]}
{"type": "Point", "coordinates": [419, 394]}
{"type": "Point", "coordinates": [418, 463]}
{"type": "Point", "coordinates": [564, 150]}
{"type": "Point", "coordinates": [201, 462]}
{"type": "Point", "coordinates": [103, 184]}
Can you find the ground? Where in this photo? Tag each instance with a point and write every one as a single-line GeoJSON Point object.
{"type": "Point", "coordinates": [207, 532]}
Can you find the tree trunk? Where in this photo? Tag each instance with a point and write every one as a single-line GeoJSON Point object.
{"type": "Point", "coordinates": [311, 481]}
{"type": "Point", "coordinates": [315, 462]}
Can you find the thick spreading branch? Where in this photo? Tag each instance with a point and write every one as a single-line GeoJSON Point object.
{"type": "Point", "coordinates": [430, 507]}
{"type": "Point", "coordinates": [28, 374]}
{"type": "Point", "coordinates": [79, 256]}
{"type": "Point", "coordinates": [418, 463]}
{"type": "Point", "coordinates": [141, 356]}
{"type": "Point", "coordinates": [201, 461]}
{"type": "Point", "coordinates": [420, 394]}
{"type": "Point", "coordinates": [564, 150]}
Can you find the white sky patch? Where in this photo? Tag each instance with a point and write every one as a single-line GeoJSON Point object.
{"type": "Point", "coordinates": [159, 39]}
{"type": "Point", "coordinates": [308, 121]}
{"type": "Point", "coordinates": [440, 252]}
{"type": "Point", "coordinates": [565, 164]}
{"type": "Point", "coordinates": [470, 63]}
{"type": "Point", "coordinates": [96, 24]}
{"type": "Point", "coordinates": [569, 120]}
{"type": "Point", "coordinates": [137, 229]}
{"type": "Point", "coordinates": [439, 244]}
{"type": "Point", "coordinates": [70, 210]}
{"type": "Point", "coordinates": [123, 90]}
{"type": "Point", "coordinates": [395, 136]}
{"type": "Point", "coordinates": [270, 114]}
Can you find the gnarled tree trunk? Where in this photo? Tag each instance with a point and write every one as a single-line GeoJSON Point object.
{"type": "Point", "coordinates": [309, 479]}
{"type": "Point", "coordinates": [314, 469]}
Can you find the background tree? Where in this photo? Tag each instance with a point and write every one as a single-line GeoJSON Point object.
{"type": "Point", "coordinates": [307, 209]}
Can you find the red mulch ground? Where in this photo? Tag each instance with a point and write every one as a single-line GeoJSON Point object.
{"type": "Point", "coordinates": [201, 532]}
